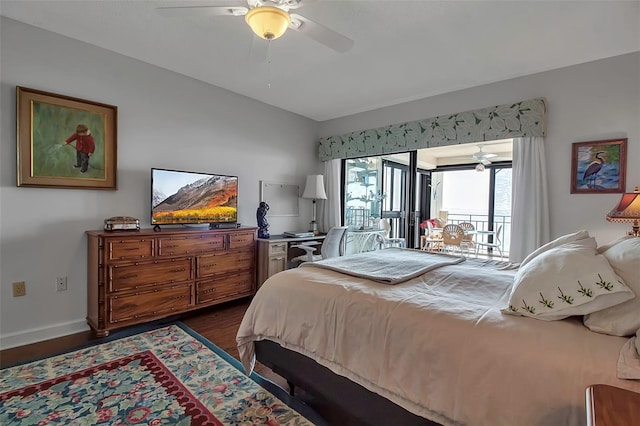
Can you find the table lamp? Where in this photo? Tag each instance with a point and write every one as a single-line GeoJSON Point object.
{"type": "Point", "coordinates": [628, 210]}
{"type": "Point", "coordinates": [314, 189]}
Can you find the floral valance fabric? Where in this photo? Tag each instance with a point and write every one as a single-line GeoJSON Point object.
{"type": "Point", "coordinates": [521, 119]}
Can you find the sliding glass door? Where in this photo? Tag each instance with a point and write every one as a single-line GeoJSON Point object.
{"type": "Point", "coordinates": [462, 194]}
{"type": "Point", "coordinates": [375, 188]}
{"type": "Point", "coordinates": [408, 188]}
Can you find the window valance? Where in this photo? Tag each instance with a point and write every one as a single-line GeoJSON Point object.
{"type": "Point", "coordinates": [520, 119]}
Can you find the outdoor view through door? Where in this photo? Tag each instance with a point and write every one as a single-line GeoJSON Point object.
{"type": "Point", "coordinates": [480, 198]}
{"type": "Point", "coordinates": [446, 182]}
{"type": "Point", "coordinates": [375, 189]}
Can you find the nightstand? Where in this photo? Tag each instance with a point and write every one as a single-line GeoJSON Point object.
{"type": "Point", "coordinates": [611, 406]}
{"type": "Point", "coordinates": [275, 252]}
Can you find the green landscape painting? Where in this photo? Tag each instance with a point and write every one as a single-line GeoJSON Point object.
{"type": "Point", "coordinates": [52, 156]}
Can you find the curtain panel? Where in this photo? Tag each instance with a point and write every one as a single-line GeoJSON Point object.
{"type": "Point", "coordinates": [520, 119]}
{"type": "Point", "coordinates": [529, 198]}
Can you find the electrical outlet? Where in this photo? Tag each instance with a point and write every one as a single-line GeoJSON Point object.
{"type": "Point", "coordinates": [61, 284]}
{"type": "Point", "coordinates": [19, 289]}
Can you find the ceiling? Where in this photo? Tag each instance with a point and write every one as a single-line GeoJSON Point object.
{"type": "Point", "coordinates": [450, 155]}
{"type": "Point", "coordinates": [402, 51]}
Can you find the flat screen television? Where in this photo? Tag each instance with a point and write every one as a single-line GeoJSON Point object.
{"type": "Point", "coordinates": [181, 198]}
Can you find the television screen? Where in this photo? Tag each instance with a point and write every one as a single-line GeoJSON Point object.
{"type": "Point", "coordinates": [181, 197]}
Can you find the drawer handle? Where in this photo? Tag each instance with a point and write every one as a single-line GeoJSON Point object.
{"type": "Point", "coordinates": [211, 290]}
{"type": "Point", "coordinates": [178, 270]}
{"type": "Point", "coordinates": [129, 276]}
{"type": "Point", "coordinates": [210, 265]}
{"type": "Point", "coordinates": [132, 249]}
{"type": "Point", "coordinates": [278, 258]}
{"type": "Point", "coordinates": [171, 246]}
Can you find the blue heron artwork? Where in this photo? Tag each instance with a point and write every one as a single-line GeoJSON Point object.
{"type": "Point", "coordinates": [598, 166]}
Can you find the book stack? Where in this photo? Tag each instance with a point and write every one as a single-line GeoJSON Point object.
{"type": "Point", "coordinates": [298, 234]}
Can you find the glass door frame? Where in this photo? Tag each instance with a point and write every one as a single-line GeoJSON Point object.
{"type": "Point", "coordinates": [417, 194]}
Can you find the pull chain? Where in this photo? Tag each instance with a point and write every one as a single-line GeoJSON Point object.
{"type": "Point", "coordinates": [269, 64]}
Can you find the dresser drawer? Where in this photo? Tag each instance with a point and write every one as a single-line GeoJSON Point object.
{"type": "Point", "coordinates": [223, 262]}
{"type": "Point", "coordinates": [129, 249]}
{"type": "Point", "coordinates": [150, 303]}
{"type": "Point", "coordinates": [277, 249]}
{"type": "Point", "coordinates": [180, 246]}
{"type": "Point", "coordinates": [139, 274]}
{"type": "Point", "coordinates": [239, 240]}
{"type": "Point", "coordinates": [230, 286]}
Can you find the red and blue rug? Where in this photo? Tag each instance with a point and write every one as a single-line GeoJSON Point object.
{"type": "Point", "coordinates": [166, 376]}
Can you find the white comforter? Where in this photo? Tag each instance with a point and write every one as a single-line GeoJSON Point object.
{"type": "Point", "coordinates": [438, 344]}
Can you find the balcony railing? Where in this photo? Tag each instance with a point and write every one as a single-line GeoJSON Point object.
{"type": "Point", "coordinates": [481, 223]}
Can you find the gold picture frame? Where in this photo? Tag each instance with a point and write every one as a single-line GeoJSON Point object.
{"type": "Point", "coordinates": [65, 142]}
{"type": "Point", "coordinates": [599, 167]}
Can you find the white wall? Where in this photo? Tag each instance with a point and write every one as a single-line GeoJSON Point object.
{"type": "Point", "coordinates": [165, 120]}
{"type": "Point", "coordinates": [168, 120]}
{"type": "Point", "coordinates": [594, 101]}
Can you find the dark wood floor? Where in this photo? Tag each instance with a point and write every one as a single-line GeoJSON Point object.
{"type": "Point", "coordinates": [218, 324]}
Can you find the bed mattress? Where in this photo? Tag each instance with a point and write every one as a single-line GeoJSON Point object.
{"type": "Point", "coordinates": [437, 344]}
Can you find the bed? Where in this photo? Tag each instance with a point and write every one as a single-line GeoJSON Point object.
{"type": "Point", "coordinates": [435, 345]}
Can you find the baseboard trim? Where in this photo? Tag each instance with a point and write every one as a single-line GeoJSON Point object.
{"type": "Point", "coordinates": [35, 335]}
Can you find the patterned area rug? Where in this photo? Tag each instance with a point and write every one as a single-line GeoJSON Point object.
{"type": "Point", "coordinates": [166, 376]}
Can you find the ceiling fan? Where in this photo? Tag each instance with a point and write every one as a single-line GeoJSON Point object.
{"type": "Point", "coordinates": [483, 157]}
{"type": "Point", "coordinates": [268, 19]}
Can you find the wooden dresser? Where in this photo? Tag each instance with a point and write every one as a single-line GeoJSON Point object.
{"type": "Point", "coordinates": [139, 276]}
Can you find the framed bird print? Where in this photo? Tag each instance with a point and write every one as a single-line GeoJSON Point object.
{"type": "Point", "coordinates": [598, 167]}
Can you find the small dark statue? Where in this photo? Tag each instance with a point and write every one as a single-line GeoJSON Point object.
{"type": "Point", "coordinates": [263, 225]}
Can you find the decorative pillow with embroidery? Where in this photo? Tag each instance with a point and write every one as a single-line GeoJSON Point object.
{"type": "Point", "coordinates": [624, 319]}
{"type": "Point", "coordinates": [571, 279]}
{"type": "Point", "coordinates": [569, 238]}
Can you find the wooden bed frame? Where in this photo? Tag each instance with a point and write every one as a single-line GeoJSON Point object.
{"type": "Point", "coordinates": [364, 406]}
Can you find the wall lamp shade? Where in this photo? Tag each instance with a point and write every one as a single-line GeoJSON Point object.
{"type": "Point", "coordinates": [628, 210]}
{"type": "Point", "coordinates": [314, 189]}
{"type": "Point", "coordinates": [268, 22]}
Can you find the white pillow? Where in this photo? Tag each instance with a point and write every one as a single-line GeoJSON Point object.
{"type": "Point", "coordinates": [623, 319]}
{"type": "Point", "coordinates": [580, 235]}
{"type": "Point", "coordinates": [571, 279]}
{"type": "Point", "coordinates": [628, 366]}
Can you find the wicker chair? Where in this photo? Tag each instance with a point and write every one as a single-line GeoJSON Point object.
{"type": "Point", "coordinates": [452, 238]}
{"type": "Point", "coordinates": [467, 241]}
{"type": "Point", "coordinates": [386, 240]}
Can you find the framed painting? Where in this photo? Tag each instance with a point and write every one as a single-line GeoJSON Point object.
{"type": "Point", "coordinates": [599, 167]}
{"type": "Point", "coordinates": [65, 142]}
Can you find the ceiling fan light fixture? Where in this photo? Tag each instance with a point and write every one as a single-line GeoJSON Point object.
{"type": "Point", "coordinates": [268, 22]}
{"type": "Point", "coordinates": [480, 167]}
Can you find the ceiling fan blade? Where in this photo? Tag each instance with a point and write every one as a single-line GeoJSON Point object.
{"type": "Point", "coordinates": [294, 4]}
{"type": "Point", "coordinates": [178, 11]}
{"type": "Point", "coordinates": [320, 33]}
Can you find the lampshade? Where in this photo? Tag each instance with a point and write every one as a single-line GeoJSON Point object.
{"type": "Point", "coordinates": [268, 22]}
{"type": "Point", "coordinates": [627, 210]}
{"type": "Point", "coordinates": [314, 188]}
{"type": "Point", "coordinates": [480, 167]}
